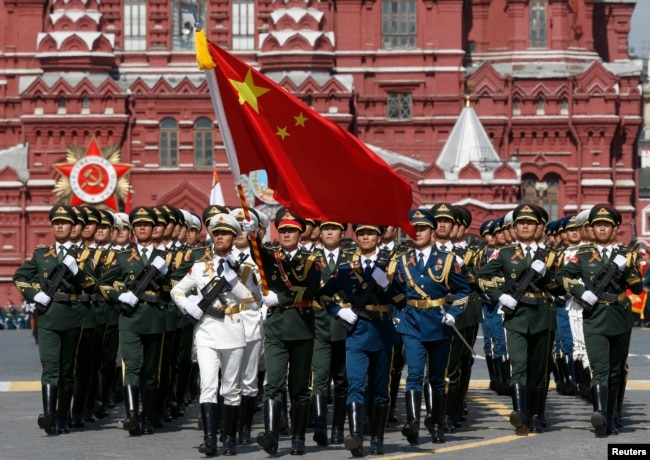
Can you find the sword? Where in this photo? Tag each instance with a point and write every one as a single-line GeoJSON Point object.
{"type": "Point", "coordinates": [458, 334]}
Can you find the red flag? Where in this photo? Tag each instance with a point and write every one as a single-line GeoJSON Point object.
{"type": "Point", "coordinates": [316, 168]}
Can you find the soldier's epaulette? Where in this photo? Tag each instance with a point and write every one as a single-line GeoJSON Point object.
{"type": "Point", "coordinates": [178, 260]}
{"type": "Point", "coordinates": [587, 248]}
{"type": "Point", "coordinates": [108, 260]}
{"type": "Point", "coordinates": [274, 246]}
{"type": "Point", "coordinates": [349, 250]}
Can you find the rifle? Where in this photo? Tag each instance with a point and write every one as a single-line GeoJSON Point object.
{"type": "Point", "coordinates": [602, 280]}
{"type": "Point", "coordinates": [56, 279]}
{"type": "Point", "coordinates": [142, 283]}
{"type": "Point", "coordinates": [525, 282]}
{"type": "Point", "coordinates": [211, 292]}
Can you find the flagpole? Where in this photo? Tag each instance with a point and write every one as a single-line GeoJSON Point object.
{"type": "Point", "coordinates": [206, 63]}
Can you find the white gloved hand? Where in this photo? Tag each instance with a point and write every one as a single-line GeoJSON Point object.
{"type": "Point", "coordinates": [539, 266]}
{"type": "Point", "coordinates": [70, 262]}
{"type": "Point", "coordinates": [448, 319]}
{"type": "Point", "coordinates": [460, 261]}
{"type": "Point", "coordinates": [192, 309]}
{"type": "Point", "coordinates": [160, 265]}
{"type": "Point", "coordinates": [589, 297]}
{"type": "Point", "coordinates": [508, 301]}
{"type": "Point", "coordinates": [193, 298]}
{"type": "Point", "coordinates": [263, 311]}
{"type": "Point", "coordinates": [42, 298]}
{"type": "Point", "coordinates": [620, 262]}
{"type": "Point", "coordinates": [248, 225]}
{"type": "Point", "coordinates": [347, 315]}
{"type": "Point", "coordinates": [230, 275]}
{"type": "Point", "coordinates": [380, 277]}
{"type": "Point", "coordinates": [271, 299]}
{"type": "Point", "coordinates": [128, 298]}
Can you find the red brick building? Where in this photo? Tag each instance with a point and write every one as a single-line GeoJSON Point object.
{"type": "Point", "coordinates": [549, 81]}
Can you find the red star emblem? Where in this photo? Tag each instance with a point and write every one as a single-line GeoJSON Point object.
{"type": "Point", "coordinates": [93, 178]}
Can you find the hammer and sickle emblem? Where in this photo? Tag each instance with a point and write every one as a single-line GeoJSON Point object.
{"type": "Point", "coordinates": [93, 176]}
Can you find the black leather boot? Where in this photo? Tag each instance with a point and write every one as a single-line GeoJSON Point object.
{"type": "Point", "coordinates": [579, 373]}
{"type": "Point", "coordinates": [268, 438]}
{"type": "Point", "coordinates": [452, 410]}
{"type": "Point", "coordinates": [412, 427]}
{"type": "Point", "coordinates": [504, 369]}
{"type": "Point", "coordinates": [148, 407]}
{"type": "Point", "coordinates": [588, 393]}
{"type": "Point", "coordinates": [339, 412]}
{"type": "Point", "coordinates": [570, 385]}
{"type": "Point", "coordinates": [47, 420]}
{"type": "Point", "coordinates": [378, 428]}
{"type": "Point", "coordinates": [489, 363]}
{"type": "Point", "coordinates": [299, 418]}
{"type": "Point", "coordinates": [78, 403]}
{"type": "Point", "coordinates": [557, 369]}
{"type": "Point", "coordinates": [354, 442]}
{"type": "Point", "coordinates": [132, 405]}
{"type": "Point", "coordinates": [598, 418]}
{"type": "Point", "coordinates": [395, 378]}
{"type": "Point", "coordinates": [230, 414]}
{"type": "Point", "coordinates": [518, 414]}
{"type": "Point", "coordinates": [611, 406]}
{"type": "Point", "coordinates": [319, 413]}
{"type": "Point", "coordinates": [536, 410]}
{"type": "Point", "coordinates": [246, 411]}
{"type": "Point", "coordinates": [428, 397]}
{"type": "Point", "coordinates": [209, 416]}
{"type": "Point", "coordinates": [438, 408]}
{"type": "Point", "coordinates": [63, 410]}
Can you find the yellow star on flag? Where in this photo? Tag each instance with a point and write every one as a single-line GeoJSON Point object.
{"type": "Point", "coordinates": [300, 120]}
{"type": "Point", "coordinates": [247, 90]}
{"type": "Point", "coordinates": [282, 132]}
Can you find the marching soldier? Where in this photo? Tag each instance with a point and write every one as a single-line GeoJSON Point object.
{"type": "Point", "coordinates": [329, 345]}
{"type": "Point", "coordinates": [134, 280]}
{"type": "Point", "coordinates": [359, 294]}
{"type": "Point", "coordinates": [60, 315]}
{"type": "Point", "coordinates": [220, 337]}
{"type": "Point", "coordinates": [598, 275]}
{"type": "Point", "coordinates": [427, 276]}
{"type": "Point", "coordinates": [294, 279]}
{"type": "Point", "coordinates": [529, 315]}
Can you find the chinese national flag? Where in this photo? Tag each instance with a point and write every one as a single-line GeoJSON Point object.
{"type": "Point", "coordinates": [316, 168]}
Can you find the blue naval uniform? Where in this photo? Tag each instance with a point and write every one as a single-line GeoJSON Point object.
{"type": "Point", "coordinates": [369, 345]}
{"type": "Point", "coordinates": [424, 334]}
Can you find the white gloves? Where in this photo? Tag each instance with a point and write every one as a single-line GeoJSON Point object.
{"type": "Point", "coordinates": [271, 299]}
{"type": "Point", "coordinates": [128, 298]}
{"type": "Point", "coordinates": [248, 225]}
{"type": "Point", "coordinates": [620, 262]}
{"type": "Point", "coordinates": [70, 262]}
{"type": "Point", "coordinates": [380, 277]}
{"type": "Point", "coordinates": [460, 261]}
{"type": "Point", "coordinates": [347, 315]}
{"type": "Point", "coordinates": [539, 266]}
{"type": "Point", "coordinates": [230, 275]}
{"type": "Point", "coordinates": [192, 309]}
{"type": "Point", "coordinates": [448, 319]}
{"type": "Point", "coordinates": [508, 301]}
{"type": "Point", "coordinates": [160, 265]}
{"type": "Point", "coordinates": [263, 311]}
{"type": "Point", "coordinates": [42, 298]}
{"type": "Point", "coordinates": [589, 297]}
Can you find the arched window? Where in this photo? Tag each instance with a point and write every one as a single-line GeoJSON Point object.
{"type": "Point", "coordinates": [243, 24]}
{"type": "Point", "coordinates": [61, 105]}
{"type": "Point", "coordinates": [203, 143]}
{"type": "Point", "coordinates": [564, 106]}
{"type": "Point", "coordinates": [540, 106]}
{"type": "Point", "coordinates": [545, 193]}
{"type": "Point", "coordinates": [538, 23]}
{"type": "Point", "coordinates": [168, 143]}
{"type": "Point", "coordinates": [183, 12]}
{"type": "Point", "coordinates": [398, 24]}
{"type": "Point", "coordinates": [516, 107]}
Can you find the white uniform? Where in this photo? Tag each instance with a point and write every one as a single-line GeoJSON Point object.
{"type": "Point", "coordinates": [575, 318]}
{"type": "Point", "coordinates": [249, 275]}
{"type": "Point", "coordinates": [219, 342]}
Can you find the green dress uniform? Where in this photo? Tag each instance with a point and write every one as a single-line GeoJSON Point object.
{"type": "Point", "coordinates": [329, 358]}
{"type": "Point", "coordinates": [141, 332]}
{"type": "Point", "coordinates": [527, 329]}
{"type": "Point", "coordinates": [289, 340]}
{"type": "Point", "coordinates": [59, 328]}
{"type": "Point", "coordinates": [606, 325]}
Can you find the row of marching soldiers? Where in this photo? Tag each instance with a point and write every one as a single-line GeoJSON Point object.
{"type": "Point", "coordinates": [335, 310]}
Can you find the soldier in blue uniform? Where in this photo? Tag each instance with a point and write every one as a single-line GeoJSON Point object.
{"type": "Point", "coordinates": [359, 294]}
{"type": "Point", "coordinates": [436, 294]}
